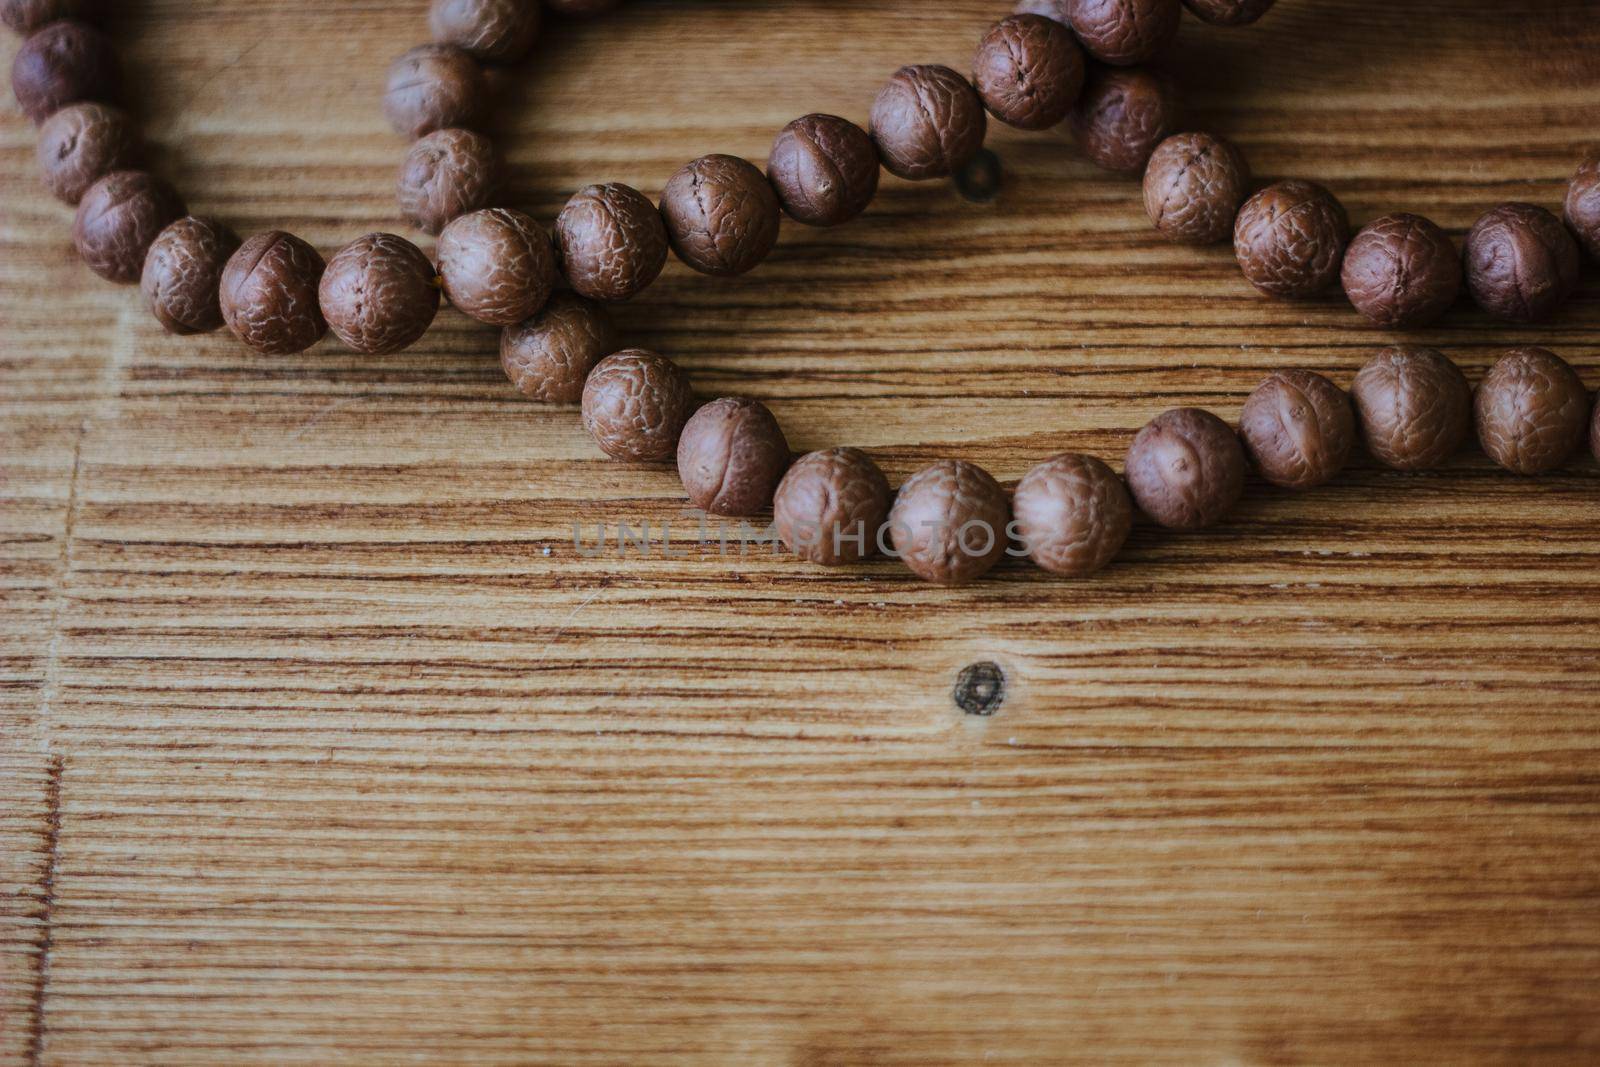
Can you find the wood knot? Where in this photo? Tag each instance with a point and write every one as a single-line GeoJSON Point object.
{"type": "Point", "coordinates": [979, 180]}
{"type": "Point", "coordinates": [980, 688]}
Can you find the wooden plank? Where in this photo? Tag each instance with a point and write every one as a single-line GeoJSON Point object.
{"type": "Point", "coordinates": [331, 745]}
{"type": "Point", "coordinates": [54, 333]}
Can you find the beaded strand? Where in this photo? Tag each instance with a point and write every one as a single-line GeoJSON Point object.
{"type": "Point", "coordinates": [1052, 62]}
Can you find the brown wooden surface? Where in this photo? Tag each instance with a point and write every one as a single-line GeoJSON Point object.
{"type": "Point", "coordinates": [321, 741]}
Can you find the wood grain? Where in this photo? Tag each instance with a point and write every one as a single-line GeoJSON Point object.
{"type": "Point", "coordinates": [323, 743]}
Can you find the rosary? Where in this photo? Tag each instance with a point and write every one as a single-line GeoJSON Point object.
{"type": "Point", "coordinates": [1053, 62]}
